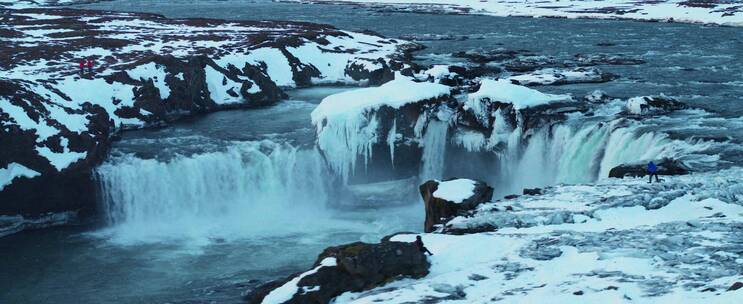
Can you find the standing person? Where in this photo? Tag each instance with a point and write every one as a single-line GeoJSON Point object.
{"type": "Point", "coordinates": [82, 67]}
{"type": "Point", "coordinates": [653, 170]}
{"type": "Point", "coordinates": [90, 64]}
{"type": "Point", "coordinates": [419, 243]}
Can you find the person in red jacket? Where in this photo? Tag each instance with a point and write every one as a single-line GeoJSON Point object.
{"type": "Point", "coordinates": [90, 64]}
{"type": "Point", "coordinates": [82, 66]}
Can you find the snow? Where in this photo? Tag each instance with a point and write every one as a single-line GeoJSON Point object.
{"type": "Point", "coordinates": [395, 94]}
{"type": "Point", "coordinates": [502, 90]}
{"type": "Point", "coordinates": [278, 69]}
{"type": "Point", "coordinates": [612, 9]}
{"type": "Point", "coordinates": [13, 171]}
{"type": "Point", "coordinates": [634, 105]}
{"type": "Point", "coordinates": [156, 73]}
{"type": "Point", "coordinates": [218, 91]}
{"type": "Point", "coordinates": [286, 291]}
{"type": "Point", "coordinates": [456, 190]}
{"type": "Point", "coordinates": [615, 241]}
{"type": "Point", "coordinates": [61, 160]}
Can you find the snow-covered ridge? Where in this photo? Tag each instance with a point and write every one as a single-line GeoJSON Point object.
{"type": "Point", "coordinates": [616, 241]}
{"type": "Point", "coordinates": [148, 70]}
{"type": "Point", "coordinates": [705, 12]}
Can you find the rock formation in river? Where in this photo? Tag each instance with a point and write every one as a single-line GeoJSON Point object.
{"type": "Point", "coordinates": [347, 268]}
{"type": "Point", "coordinates": [446, 199]}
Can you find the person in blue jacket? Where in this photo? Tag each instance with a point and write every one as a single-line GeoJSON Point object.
{"type": "Point", "coordinates": [653, 170]}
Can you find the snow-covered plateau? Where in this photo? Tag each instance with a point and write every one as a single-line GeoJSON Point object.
{"type": "Point", "coordinates": [705, 12]}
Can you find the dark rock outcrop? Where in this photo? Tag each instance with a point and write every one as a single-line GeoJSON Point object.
{"type": "Point", "coordinates": [355, 267]}
{"type": "Point", "coordinates": [665, 166]}
{"type": "Point", "coordinates": [440, 210]}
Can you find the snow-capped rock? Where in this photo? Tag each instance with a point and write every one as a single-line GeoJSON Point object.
{"type": "Point", "coordinates": [352, 125]}
{"type": "Point", "coordinates": [559, 77]}
{"type": "Point", "coordinates": [661, 104]}
{"type": "Point", "coordinates": [446, 199]}
{"type": "Point", "coordinates": [347, 268]}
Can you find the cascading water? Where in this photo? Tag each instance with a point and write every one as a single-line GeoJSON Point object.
{"type": "Point", "coordinates": [575, 153]}
{"type": "Point", "coordinates": [248, 189]}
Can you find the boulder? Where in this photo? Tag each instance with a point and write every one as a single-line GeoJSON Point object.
{"type": "Point", "coordinates": [661, 104]}
{"type": "Point", "coordinates": [666, 166]}
{"type": "Point", "coordinates": [446, 199]}
{"type": "Point", "coordinates": [534, 191]}
{"type": "Point", "coordinates": [347, 268]}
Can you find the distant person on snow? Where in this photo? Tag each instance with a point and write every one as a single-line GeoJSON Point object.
{"type": "Point", "coordinates": [419, 243]}
{"type": "Point", "coordinates": [90, 65]}
{"type": "Point", "coordinates": [82, 66]}
{"type": "Point", "coordinates": [653, 170]}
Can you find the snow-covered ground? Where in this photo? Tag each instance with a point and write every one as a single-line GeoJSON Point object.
{"type": "Point", "coordinates": [706, 12]}
{"type": "Point", "coordinates": [616, 241]}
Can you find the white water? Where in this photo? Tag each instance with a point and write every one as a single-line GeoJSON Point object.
{"type": "Point", "coordinates": [581, 153]}
{"type": "Point", "coordinates": [252, 188]}
{"type": "Point", "coordinates": [434, 150]}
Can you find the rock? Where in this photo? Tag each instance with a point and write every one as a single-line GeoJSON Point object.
{"type": "Point", "coordinates": [578, 293]}
{"type": "Point", "coordinates": [469, 230]}
{"type": "Point", "coordinates": [535, 191]}
{"type": "Point", "coordinates": [456, 196]}
{"type": "Point", "coordinates": [665, 166]}
{"type": "Point", "coordinates": [350, 268]}
{"type": "Point", "coordinates": [735, 286]}
{"type": "Point", "coordinates": [653, 105]}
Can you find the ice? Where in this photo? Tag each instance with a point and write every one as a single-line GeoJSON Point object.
{"type": "Point", "coordinates": [346, 123]}
{"type": "Point", "coordinates": [456, 190]}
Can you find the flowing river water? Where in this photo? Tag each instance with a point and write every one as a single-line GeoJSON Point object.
{"type": "Point", "coordinates": [207, 208]}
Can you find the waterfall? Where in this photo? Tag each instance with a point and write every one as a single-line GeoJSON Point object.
{"type": "Point", "coordinates": [434, 148]}
{"type": "Point", "coordinates": [249, 188]}
{"type": "Point", "coordinates": [576, 153]}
